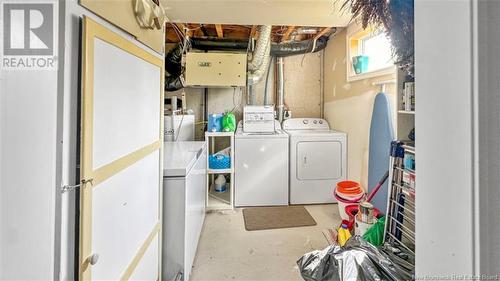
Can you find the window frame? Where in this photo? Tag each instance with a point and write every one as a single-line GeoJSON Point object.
{"type": "Point", "coordinates": [356, 33]}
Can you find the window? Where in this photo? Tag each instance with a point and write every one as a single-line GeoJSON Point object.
{"type": "Point", "coordinates": [378, 49]}
{"type": "Point", "coordinates": [370, 54]}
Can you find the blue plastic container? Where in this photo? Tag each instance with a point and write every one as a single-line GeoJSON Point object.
{"type": "Point", "coordinates": [221, 189]}
{"type": "Point", "coordinates": [215, 122]}
{"type": "Point", "coordinates": [219, 161]}
{"type": "Point", "coordinates": [360, 64]}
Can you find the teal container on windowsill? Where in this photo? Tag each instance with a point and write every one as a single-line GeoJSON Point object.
{"type": "Point", "coordinates": [360, 64]}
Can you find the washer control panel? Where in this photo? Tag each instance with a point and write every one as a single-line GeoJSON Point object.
{"type": "Point", "coordinates": [305, 124]}
{"type": "Point", "coordinates": [258, 119]}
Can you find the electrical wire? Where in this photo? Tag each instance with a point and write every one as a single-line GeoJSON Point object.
{"type": "Point", "coordinates": [180, 126]}
{"type": "Point", "coordinates": [193, 29]}
{"type": "Point", "coordinates": [306, 52]}
{"type": "Point", "coordinates": [178, 32]}
{"type": "Point", "coordinates": [235, 104]}
{"type": "Point", "coordinates": [280, 32]}
{"type": "Point", "coordinates": [183, 39]}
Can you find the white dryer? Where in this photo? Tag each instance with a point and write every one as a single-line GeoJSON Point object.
{"type": "Point", "coordinates": [318, 160]}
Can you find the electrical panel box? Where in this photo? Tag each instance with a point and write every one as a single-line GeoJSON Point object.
{"type": "Point", "coordinates": [216, 69]}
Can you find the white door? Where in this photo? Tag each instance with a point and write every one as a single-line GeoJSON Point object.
{"type": "Point", "coordinates": [319, 160]}
{"type": "Point", "coordinates": [121, 174]}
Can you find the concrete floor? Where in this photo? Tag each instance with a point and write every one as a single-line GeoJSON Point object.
{"type": "Point", "coordinates": [227, 251]}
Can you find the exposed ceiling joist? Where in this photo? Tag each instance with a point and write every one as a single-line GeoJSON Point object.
{"type": "Point", "coordinates": [253, 31]}
{"type": "Point", "coordinates": [324, 31]}
{"type": "Point", "coordinates": [241, 32]}
{"type": "Point", "coordinates": [287, 33]}
{"type": "Point", "coordinates": [194, 29]}
{"type": "Point", "coordinates": [181, 26]}
{"type": "Point", "coordinates": [220, 31]}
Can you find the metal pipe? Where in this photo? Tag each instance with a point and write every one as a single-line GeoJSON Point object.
{"type": "Point", "coordinates": [322, 86]}
{"type": "Point", "coordinates": [266, 95]}
{"type": "Point", "coordinates": [205, 108]}
{"type": "Point", "coordinates": [281, 88]}
{"type": "Point", "coordinates": [250, 95]}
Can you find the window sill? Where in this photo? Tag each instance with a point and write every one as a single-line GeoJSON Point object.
{"type": "Point", "coordinates": [371, 74]}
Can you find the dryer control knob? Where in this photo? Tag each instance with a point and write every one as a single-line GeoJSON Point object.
{"type": "Point", "coordinates": [321, 121]}
{"type": "Point", "coordinates": [315, 121]}
{"type": "Point", "coordinates": [305, 121]}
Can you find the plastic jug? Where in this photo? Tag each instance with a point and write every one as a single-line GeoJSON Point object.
{"type": "Point", "coordinates": [229, 122]}
{"type": "Point", "coordinates": [215, 122]}
{"type": "Point", "coordinates": [220, 183]}
{"type": "Point", "coordinates": [344, 234]}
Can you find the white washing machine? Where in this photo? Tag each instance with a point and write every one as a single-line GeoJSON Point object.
{"type": "Point", "coordinates": [261, 168]}
{"type": "Point", "coordinates": [318, 160]}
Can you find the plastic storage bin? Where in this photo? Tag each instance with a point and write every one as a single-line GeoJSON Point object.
{"type": "Point", "coordinates": [219, 161]}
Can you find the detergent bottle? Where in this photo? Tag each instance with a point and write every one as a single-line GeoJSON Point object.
{"type": "Point", "coordinates": [343, 235]}
{"type": "Point", "coordinates": [229, 122]}
{"type": "Point", "coordinates": [220, 184]}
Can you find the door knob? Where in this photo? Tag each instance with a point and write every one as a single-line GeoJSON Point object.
{"type": "Point", "coordinates": [93, 259]}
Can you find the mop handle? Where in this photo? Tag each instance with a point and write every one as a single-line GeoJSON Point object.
{"type": "Point", "coordinates": [379, 184]}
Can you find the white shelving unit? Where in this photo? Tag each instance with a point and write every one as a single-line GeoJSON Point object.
{"type": "Point", "coordinates": [220, 200]}
{"type": "Point", "coordinates": [400, 222]}
{"type": "Point", "coordinates": [406, 112]}
{"type": "Point", "coordinates": [405, 118]}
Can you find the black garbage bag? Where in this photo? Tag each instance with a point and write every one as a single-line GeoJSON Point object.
{"type": "Point", "coordinates": [357, 260]}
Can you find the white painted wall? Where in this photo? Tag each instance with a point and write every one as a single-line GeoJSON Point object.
{"type": "Point", "coordinates": [28, 183]}
{"type": "Point", "coordinates": [444, 138]}
{"type": "Point", "coordinates": [349, 105]}
{"type": "Point", "coordinates": [28, 169]}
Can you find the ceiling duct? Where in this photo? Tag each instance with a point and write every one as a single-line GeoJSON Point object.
{"type": "Point", "coordinates": [174, 68]}
{"type": "Point", "coordinates": [258, 74]}
{"type": "Point", "coordinates": [221, 44]}
{"type": "Point", "coordinates": [298, 47]}
{"type": "Point", "coordinates": [257, 66]}
{"type": "Point", "coordinates": [305, 30]}
{"type": "Point", "coordinates": [173, 84]}
{"type": "Point", "coordinates": [261, 47]}
{"type": "Point", "coordinates": [173, 61]}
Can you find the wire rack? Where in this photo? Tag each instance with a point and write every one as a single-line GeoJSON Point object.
{"type": "Point", "coordinates": [400, 219]}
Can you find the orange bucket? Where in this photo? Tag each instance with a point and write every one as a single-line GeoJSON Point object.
{"type": "Point", "coordinates": [349, 189]}
{"type": "Point", "coordinates": [348, 193]}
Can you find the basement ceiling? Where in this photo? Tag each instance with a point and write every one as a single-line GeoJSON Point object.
{"type": "Point", "coordinates": [258, 12]}
{"type": "Point", "coordinates": [243, 32]}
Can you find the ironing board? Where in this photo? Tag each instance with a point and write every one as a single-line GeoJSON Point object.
{"type": "Point", "coordinates": [381, 135]}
